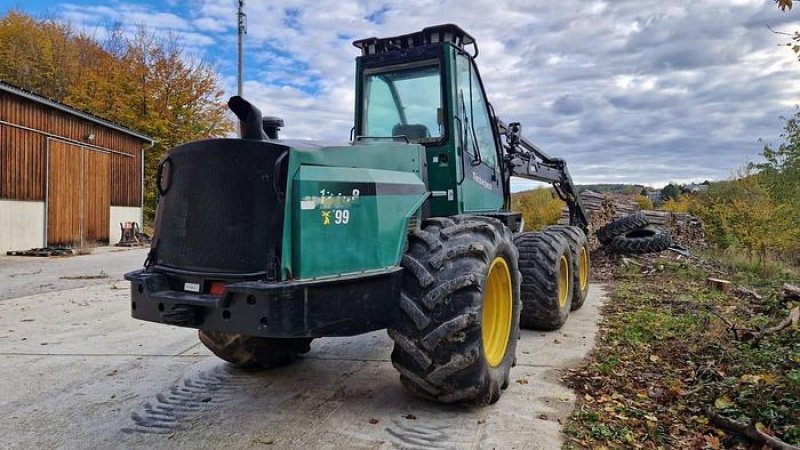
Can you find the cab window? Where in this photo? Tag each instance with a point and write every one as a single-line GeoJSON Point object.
{"type": "Point", "coordinates": [477, 133]}
{"type": "Point", "coordinates": [404, 102]}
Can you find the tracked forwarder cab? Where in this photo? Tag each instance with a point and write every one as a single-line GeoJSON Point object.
{"type": "Point", "coordinates": [264, 244]}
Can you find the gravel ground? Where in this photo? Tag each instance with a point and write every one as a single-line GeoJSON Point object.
{"type": "Point", "coordinates": [77, 372]}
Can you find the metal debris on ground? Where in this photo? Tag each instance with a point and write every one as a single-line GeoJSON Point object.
{"type": "Point", "coordinates": [132, 235]}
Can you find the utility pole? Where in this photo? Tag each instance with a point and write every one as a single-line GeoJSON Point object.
{"type": "Point", "coordinates": [242, 21]}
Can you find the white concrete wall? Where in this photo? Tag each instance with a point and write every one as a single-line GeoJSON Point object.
{"type": "Point", "coordinates": [122, 214]}
{"type": "Point", "coordinates": [21, 225]}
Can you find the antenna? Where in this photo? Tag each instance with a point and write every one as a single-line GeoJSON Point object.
{"type": "Point", "coordinates": [242, 21]}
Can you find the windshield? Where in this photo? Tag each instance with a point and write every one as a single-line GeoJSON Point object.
{"type": "Point", "coordinates": [404, 102]}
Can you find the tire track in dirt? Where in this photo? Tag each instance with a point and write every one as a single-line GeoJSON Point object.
{"type": "Point", "coordinates": [186, 400]}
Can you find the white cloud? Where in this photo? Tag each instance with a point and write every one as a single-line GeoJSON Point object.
{"type": "Point", "coordinates": [625, 90]}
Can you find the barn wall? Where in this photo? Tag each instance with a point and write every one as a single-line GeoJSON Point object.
{"type": "Point", "coordinates": [21, 225]}
{"type": "Point", "coordinates": [23, 153]}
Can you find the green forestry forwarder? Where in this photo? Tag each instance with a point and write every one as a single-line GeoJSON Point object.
{"type": "Point", "coordinates": [264, 244]}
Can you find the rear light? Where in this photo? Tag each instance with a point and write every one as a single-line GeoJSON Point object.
{"type": "Point", "coordinates": [217, 288]}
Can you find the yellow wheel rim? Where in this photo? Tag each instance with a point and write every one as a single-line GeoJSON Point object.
{"type": "Point", "coordinates": [563, 281]}
{"type": "Point", "coordinates": [583, 268]}
{"type": "Point", "coordinates": [496, 316]}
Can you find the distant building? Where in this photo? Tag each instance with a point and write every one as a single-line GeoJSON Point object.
{"type": "Point", "coordinates": [66, 177]}
{"type": "Point", "coordinates": [655, 196]}
{"type": "Point", "coordinates": [694, 188]}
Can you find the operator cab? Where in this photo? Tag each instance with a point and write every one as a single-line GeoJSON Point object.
{"type": "Point", "coordinates": [424, 88]}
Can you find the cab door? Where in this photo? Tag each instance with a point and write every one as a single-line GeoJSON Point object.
{"type": "Point", "coordinates": [481, 188]}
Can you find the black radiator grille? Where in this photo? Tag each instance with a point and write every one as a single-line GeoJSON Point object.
{"type": "Point", "coordinates": [220, 212]}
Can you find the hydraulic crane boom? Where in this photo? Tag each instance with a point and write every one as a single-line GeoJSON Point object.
{"type": "Point", "coordinates": [525, 160]}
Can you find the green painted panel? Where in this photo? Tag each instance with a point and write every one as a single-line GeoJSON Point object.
{"type": "Point", "coordinates": [350, 219]}
{"type": "Point", "coordinates": [378, 155]}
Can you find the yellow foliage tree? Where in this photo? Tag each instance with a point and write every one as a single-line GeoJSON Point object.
{"type": "Point", "coordinates": [643, 202]}
{"type": "Point", "coordinates": [680, 204]}
{"type": "Point", "coordinates": [742, 214]}
{"type": "Point", "coordinates": [539, 207]}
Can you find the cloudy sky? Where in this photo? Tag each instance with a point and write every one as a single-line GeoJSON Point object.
{"type": "Point", "coordinates": [626, 91]}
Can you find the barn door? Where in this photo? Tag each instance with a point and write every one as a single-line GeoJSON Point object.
{"type": "Point", "coordinates": [78, 195]}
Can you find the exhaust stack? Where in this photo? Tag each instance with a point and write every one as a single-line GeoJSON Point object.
{"type": "Point", "coordinates": [250, 119]}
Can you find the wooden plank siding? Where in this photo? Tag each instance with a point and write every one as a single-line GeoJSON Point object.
{"type": "Point", "coordinates": [96, 196]}
{"type": "Point", "coordinates": [65, 202]}
{"type": "Point", "coordinates": [23, 153]}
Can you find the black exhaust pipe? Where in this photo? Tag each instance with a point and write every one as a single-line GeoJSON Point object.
{"type": "Point", "coordinates": [250, 121]}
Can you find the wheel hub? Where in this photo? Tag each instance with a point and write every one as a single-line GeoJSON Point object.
{"type": "Point", "coordinates": [497, 312]}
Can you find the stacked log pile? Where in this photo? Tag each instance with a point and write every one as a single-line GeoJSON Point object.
{"type": "Point", "coordinates": [686, 229]}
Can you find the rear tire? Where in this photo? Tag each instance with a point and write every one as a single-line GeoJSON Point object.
{"type": "Point", "coordinates": [250, 352]}
{"type": "Point", "coordinates": [458, 324]}
{"type": "Point", "coordinates": [581, 267]}
{"type": "Point", "coordinates": [544, 261]}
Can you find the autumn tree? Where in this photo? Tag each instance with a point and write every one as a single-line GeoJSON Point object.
{"type": "Point", "coordinates": [741, 213]}
{"type": "Point", "coordinates": [539, 207]}
{"type": "Point", "coordinates": [643, 201]}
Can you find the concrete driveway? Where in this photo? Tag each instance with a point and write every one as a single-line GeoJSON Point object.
{"type": "Point", "coordinates": [77, 372]}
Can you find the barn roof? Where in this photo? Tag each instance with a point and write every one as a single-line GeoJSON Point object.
{"type": "Point", "coordinates": [10, 88]}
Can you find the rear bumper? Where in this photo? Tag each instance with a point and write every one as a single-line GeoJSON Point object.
{"type": "Point", "coordinates": [343, 306]}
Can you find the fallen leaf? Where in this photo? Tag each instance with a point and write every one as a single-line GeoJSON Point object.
{"type": "Point", "coordinates": [374, 421]}
{"type": "Point", "coordinates": [712, 442]}
{"type": "Point", "coordinates": [723, 402]}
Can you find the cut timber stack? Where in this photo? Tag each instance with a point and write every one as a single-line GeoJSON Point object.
{"type": "Point", "coordinates": [685, 229]}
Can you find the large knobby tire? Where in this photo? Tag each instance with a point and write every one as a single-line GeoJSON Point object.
{"type": "Point", "coordinates": [544, 261]}
{"type": "Point", "coordinates": [458, 323]}
{"type": "Point", "coordinates": [621, 226]}
{"type": "Point", "coordinates": [250, 352]}
{"type": "Point", "coordinates": [643, 240]}
{"type": "Point", "coordinates": [579, 248]}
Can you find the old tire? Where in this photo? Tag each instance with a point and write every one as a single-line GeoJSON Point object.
{"type": "Point", "coordinates": [643, 240]}
{"type": "Point", "coordinates": [544, 261]}
{"type": "Point", "coordinates": [250, 352]}
{"type": "Point", "coordinates": [457, 327]}
{"type": "Point", "coordinates": [621, 226]}
{"type": "Point", "coordinates": [581, 267]}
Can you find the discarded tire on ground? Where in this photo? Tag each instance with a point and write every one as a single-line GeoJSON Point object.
{"type": "Point", "coordinates": [620, 226]}
{"type": "Point", "coordinates": [643, 240]}
{"type": "Point", "coordinates": [544, 261]}
{"type": "Point", "coordinates": [250, 352]}
{"type": "Point", "coordinates": [457, 330]}
{"type": "Point", "coordinates": [579, 249]}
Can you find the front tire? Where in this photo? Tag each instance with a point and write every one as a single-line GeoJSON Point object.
{"type": "Point", "coordinates": [251, 352]}
{"type": "Point", "coordinates": [456, 333]}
